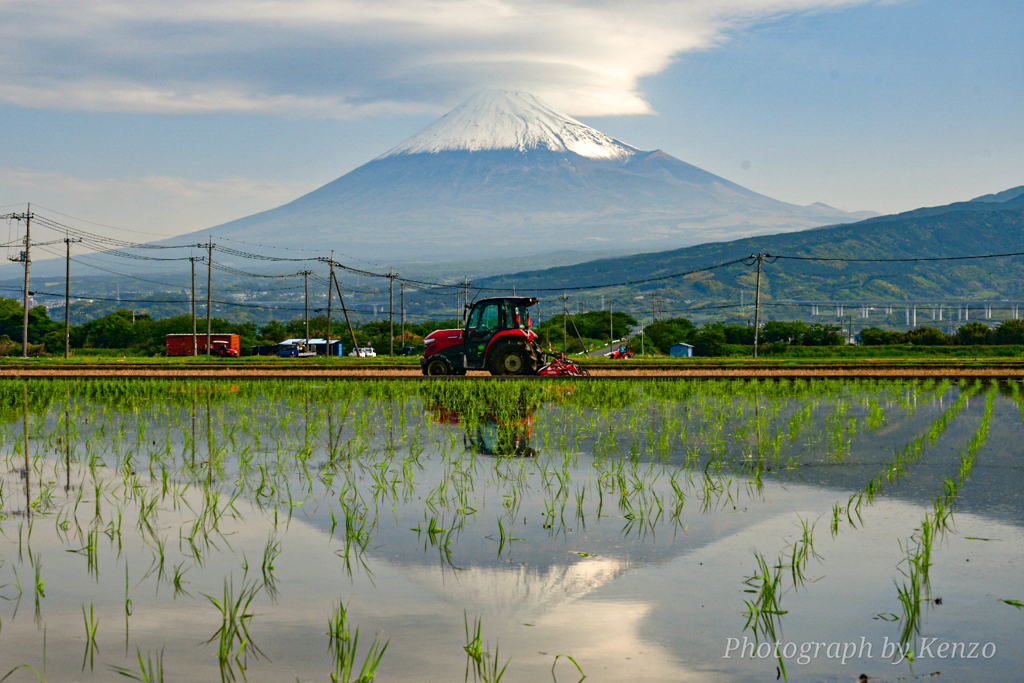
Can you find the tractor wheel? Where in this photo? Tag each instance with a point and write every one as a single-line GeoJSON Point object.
{"type": "Point", "coordinates": [515, 360]}
{"type": "Point", "coordinates": [437, 367]}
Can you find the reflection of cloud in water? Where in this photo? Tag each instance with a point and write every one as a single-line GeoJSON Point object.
{"type": "Point", "coordinates": [519, 590]}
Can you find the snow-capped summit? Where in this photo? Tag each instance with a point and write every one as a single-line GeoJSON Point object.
{"type": "Point", "coordinates": [519, 121]}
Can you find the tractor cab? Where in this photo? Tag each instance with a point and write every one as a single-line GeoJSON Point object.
{"type": "Point", "coordinates": [497, 338]}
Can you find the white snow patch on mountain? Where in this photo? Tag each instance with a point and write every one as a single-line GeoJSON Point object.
{"type": "Point", "coordinates": [498, 119]}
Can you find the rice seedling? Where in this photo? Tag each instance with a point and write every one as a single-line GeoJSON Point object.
{"type": "Point", "coordinates": [92, 625]}
{"type": "Point", "coordinates": [764, 610]}
{"type": "Point", "coordinates": [151, 669]}
{"type": "Point", "coordinates": [344, 643]}
{"type": "Point", "coordinates": [234, 643]}
{"type": "Point", "coordinates": [571, 659]}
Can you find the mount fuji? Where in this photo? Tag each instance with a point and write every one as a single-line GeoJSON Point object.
{"type": "Point", "coordinates": [503, 174]}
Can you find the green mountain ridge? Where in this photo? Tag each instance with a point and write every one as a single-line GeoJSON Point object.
{"type": "Point", "coordinates": [983, 226]}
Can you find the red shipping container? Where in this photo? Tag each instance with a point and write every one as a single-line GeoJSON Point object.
{"type": "Point", "coordinates": [181, 344]}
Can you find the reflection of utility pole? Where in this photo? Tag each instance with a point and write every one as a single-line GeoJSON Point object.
{"type": "Point", "coordinates": [28, 459]}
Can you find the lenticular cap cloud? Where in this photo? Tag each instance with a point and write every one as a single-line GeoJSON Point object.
{"type": "Point", "coordinates": [352, 58]}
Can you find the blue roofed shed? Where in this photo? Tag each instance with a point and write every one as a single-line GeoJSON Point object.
{"type": "Point", "coordinates": [681, 350]}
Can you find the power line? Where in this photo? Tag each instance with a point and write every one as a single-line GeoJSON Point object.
{"type": "Point", "coordinates": [895, 260]}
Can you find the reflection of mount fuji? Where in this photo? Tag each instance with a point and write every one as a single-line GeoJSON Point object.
{"type": "Point", "coordinates": [521, 589]}
{"type": "Point", "coordinates": [503, 174]}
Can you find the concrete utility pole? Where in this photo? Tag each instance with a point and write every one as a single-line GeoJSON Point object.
{"type": "Point", "coordinates": [565, 315]}
{"type": "Point", "coordinates": [330, 295]}
{"type": "Point", "coordinates": [195, 340]}
{"type": "Point", "coordinates": [611, 327]}
{"type": "Point", "coordinates": [67, 297]}
{"type": "Point", "coordinates": [24, 257]}
{"type": "Point", "coordinates": [757, 303]}
{"type": "Point", "coordinates": [209, 294]}
{"type": "Point", "coordinates": [391, 313]}
{"type": "Point", "coordinates": [305, 284]}
{"type": "Point", "coordinates": [465, 296]}
{"type": "Point", "coordinates": [402, 306]}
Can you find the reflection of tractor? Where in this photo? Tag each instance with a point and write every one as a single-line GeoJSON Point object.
{"type": "Point", "coordinates": [502, 440]}
{"type": "Point", "coordinates": [497, 339]}
{"type": "Point", "coordinates": [509, 437]}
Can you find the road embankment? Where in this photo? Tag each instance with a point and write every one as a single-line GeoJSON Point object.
{"type": "Point", "coordinates": [704, 368]}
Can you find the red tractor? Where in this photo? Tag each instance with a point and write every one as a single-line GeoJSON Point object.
{"type": "Point", "coordinates": [497, 338]}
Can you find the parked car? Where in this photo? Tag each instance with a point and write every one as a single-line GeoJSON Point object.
{"type": "Point", "coordinates": [409, 351]}
{"type": "Point", "coordinates": [363, 352]}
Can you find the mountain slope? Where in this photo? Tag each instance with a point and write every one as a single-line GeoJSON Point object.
{"type": "Point", "coordinates": [988, 227]}
{"type": "Point", "coordinates": [504, 175]}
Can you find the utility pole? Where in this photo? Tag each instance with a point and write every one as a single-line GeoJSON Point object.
{"type": "Point", "coordinates": [391, 313]}
{"type": "Point", "coordinates": [565, 314]}
{"type": "Point", "coordinates": [465, 296]}
{"type": "Point", "coordinates": [757, 302]}
{"type": "Point", "coordinates": [341, 298]}
{"type": "Point", "coordinates": [67, 297]}
{"type": "Point", "coordinates": [458, 296]}
{"type": "Point", "coordinates": [209, 294]}
{"type": "Point", "coordinates": [330, 283]}
{"type": "Point", "coordinates": [25, 258]}
{"type": "Point", "coordinates": [611, 327]}
{"type": "Point", "coordinates": [402, 306]}
{"type": "Point", "coordinates": [305, 283]}
{"type": "Point", "coordinates": [195, 341]}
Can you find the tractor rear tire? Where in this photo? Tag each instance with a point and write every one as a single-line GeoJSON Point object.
{"type": "Point", "coordinates": [437, 367]}
{"type": "Point", "coordinates": [515, 360]}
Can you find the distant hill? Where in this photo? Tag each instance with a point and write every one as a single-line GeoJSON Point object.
{"type": "Point", "coordinates": [991, 224]}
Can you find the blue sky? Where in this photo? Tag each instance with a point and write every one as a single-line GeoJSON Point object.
{"type": "Point", "coordinates": [170, 119]}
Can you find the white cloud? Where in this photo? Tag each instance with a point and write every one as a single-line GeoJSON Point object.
{"type": "Point", "coordinates": [353, 58]}
{"type": "Point", "coordinates": [169, 204]}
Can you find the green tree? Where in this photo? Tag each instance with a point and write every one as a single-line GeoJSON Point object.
{"type": "Point", "coordinates": [738, 334]}
{"type": "Point", "coordinates": [876, 336]}
{"type": "Point", "coordinates": [12, 321]}
{"type": "Point", "coordinates": [661, 335]}
{"type": "Point", "coordinates": [709, 341]}
{"type": "Point", "coordinates": [1009, 332]}
{"type": "Point", "coordinates": [792, 333]}
{"type": "Point", "coordinates": [973, 334]}
{"type": "Point", "coordinates": [926, 336]}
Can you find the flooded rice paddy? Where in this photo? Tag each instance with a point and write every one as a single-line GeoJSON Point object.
{"type": "Point", "coordinates": [514, 531]}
